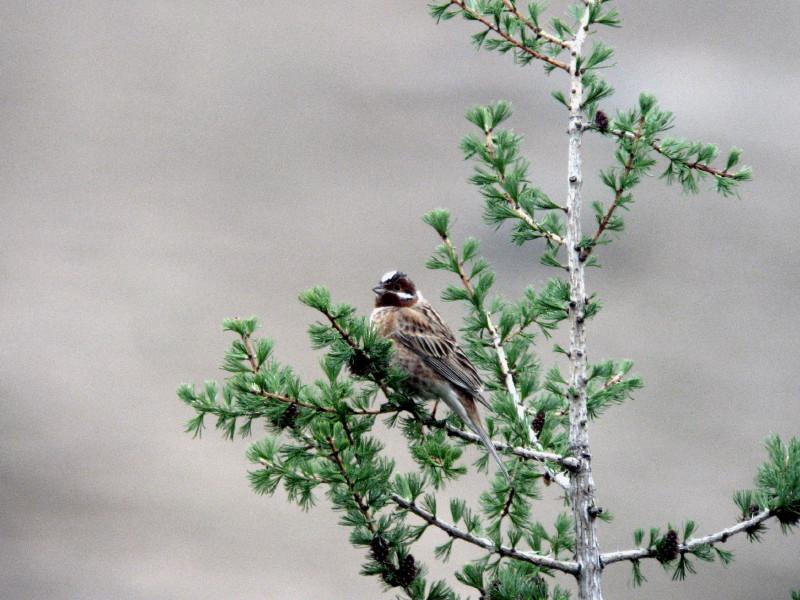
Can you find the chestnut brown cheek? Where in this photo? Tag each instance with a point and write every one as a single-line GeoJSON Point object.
{"type": "Point", "coordinates": [385, 300]}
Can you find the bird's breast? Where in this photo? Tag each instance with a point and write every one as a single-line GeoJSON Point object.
{"type": "Point", "coordinates": [383, 319]}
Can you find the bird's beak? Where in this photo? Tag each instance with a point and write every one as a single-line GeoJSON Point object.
{"type": "Point", "coordinates": [378, 289]}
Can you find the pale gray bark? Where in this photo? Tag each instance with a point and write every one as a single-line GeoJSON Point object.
{"type": "Point", "coordinates": [567, 462]}
{"type": "Point", "coordinates": [718, 537]}
{"type": "Point", "coordinates": [587, 548]}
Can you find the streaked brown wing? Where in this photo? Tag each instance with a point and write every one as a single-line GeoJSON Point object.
{"type": "Point", "coordinates": [422, 330]}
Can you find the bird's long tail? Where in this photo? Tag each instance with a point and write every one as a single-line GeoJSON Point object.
{"type": "Point", "coordinates": [490, 447]}
{"type": "Point", "coordinates": [469, 414]}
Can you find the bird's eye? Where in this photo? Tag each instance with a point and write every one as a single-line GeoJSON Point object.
{"type": "Point", "coordinates": [396, 287]}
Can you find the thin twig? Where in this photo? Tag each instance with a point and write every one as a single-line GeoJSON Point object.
{"type": "Point", "coordinates": [362, 507]}
{"type": "Point", "coordinates": [345, 336]}
{"type": "Point", "coordinates": [720, 536]}
{"type": "Point", "coordinates": [497, 344]}
{"type": "Point", "coordinates": [505, 551]}
{"type": "Point", "coordinates": [511, 386]}
{"type": "Point", "coordinates": [288, 399]}
{"type": "Point", "coordinates": [352, 343]}
{"type": "Point", "coordinates": [509, 502]}
{"type": "Point", "coordinates": [327, 409]}
{"type": "Point", "coordinates": [537, 31]}
{"type": "Point", "coordinates": [516, 208]}
{"type": "Point", "coordinates": [513, 333]}
{"type": "Point", "coordinates": [586, 251]}
{"type": "Point", "coordinates": [508, 37]}
{"type": "Point", "coordinates": [566, 462]}
{"type": "Point", "coordinates": [697, 165]}
{"type": "Point", "coordinates": [250, 356]}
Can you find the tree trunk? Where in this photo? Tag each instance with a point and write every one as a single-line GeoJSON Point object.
{"type": "Point", "coordinates": [587, 550]}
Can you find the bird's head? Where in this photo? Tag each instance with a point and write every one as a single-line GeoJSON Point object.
{"type": "Point", "coordinates": [396, 289]}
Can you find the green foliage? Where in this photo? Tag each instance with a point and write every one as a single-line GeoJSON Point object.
{"type": "Point", "coordinates": [777, 494]}
{"type": "Point", "coordinates": [747, 501]}
{"type": "Point", "coordinates": [509, 582]}
{"type": "Point", "coordinates": [777, 489]}
{"type": "Point", "coordinates": [778, 481]}
{"type": "Point", "coordinates": [320, 436]}
{"type": "Point", "coordinates": [321, 439]}
{"type": "Point", "coordinates": [688, 166]}
{"type": "Point", "coordinates": [439, 219]}
{"type": "Point", "coordinates": [489, 117]}
{"type": "Point", "coordinates": [438, 458]}
{"type": "Point", "coordinates": [502, 177]}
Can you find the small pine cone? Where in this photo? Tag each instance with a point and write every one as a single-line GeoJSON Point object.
{"type": "Point", "coordinates": [601, 120]}
{"type": "Point", "coordinates": [288, 417]}
{"type": "Point", "coordinates": [669, 548]}
{"type": "Point", "coordinates": [407, 572]}
{"type": "Point", "coordinates": [358, 363]}
{"type": "Point", "coordinates": [752, 511]}
{"type": "Point", "coordinates": [380, 549]}
{"type": "Point", "coordinates": [538, 422]}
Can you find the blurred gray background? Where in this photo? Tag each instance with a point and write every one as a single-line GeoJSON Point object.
{"type": "Point", "coordinates": [168, 164]}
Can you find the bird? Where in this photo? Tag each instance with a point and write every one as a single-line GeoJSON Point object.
{"type": "Point", "coordinates": [426, 349]}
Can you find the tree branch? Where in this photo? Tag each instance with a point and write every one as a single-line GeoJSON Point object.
{"type": "Point", "coordinates": [345, 336]}
{"type": "Point", "coordinates": [497, 343]}
{"type": "Point", "coordinates": [508, 37]}
{"type": "Point", "coordinates": [697, 165]}
{"type": "Point", "coordinates": [288, 399]}
{"type": "Point", "coordinates": [352, 343]}
{"type": "Point", "coordinates": [553, 237]}
{"type": "Point", "coordinates": [455, 532]}
{"type": "Point", "coordinates": [627, 168]}
{"type": "Point", "coordinates": [720, 536]}
{"type": "Point", "coordinates": [362, 507]}
{"type": "Point", "coordinates": [514, 333]}
{"type": "Point", "coordinates": [537, 31]}
{"type": "Point", "coordinates": [567, 462]}
{"type": "Point", "coordinates": [251, 358]}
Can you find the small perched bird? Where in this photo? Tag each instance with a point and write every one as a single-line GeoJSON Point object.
{"type": "Point", "coordinates": [426, 349]}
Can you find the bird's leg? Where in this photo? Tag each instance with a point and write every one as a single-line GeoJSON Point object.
{"type": "Point", "coordinates": [435, 406]}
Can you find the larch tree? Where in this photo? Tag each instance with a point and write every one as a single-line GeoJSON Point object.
{"type": "Point", "coordinates": [320, 435]}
